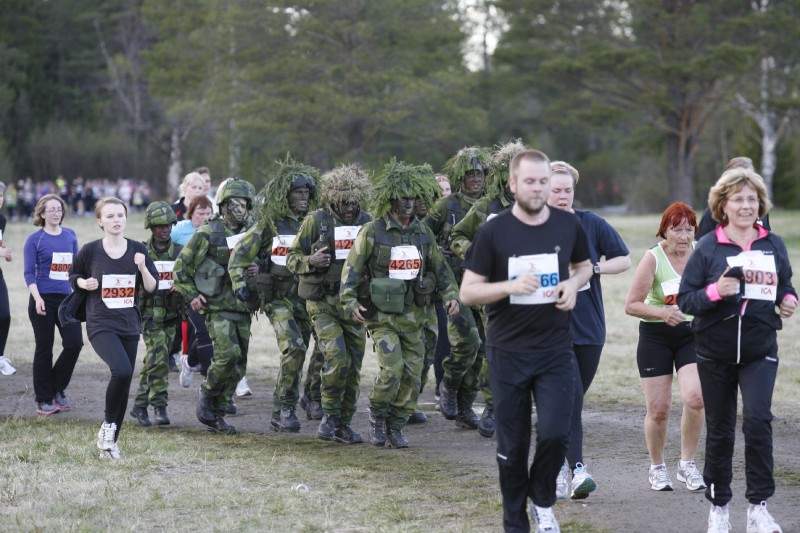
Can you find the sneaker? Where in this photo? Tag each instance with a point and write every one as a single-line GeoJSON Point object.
{"type": "Point", "coordinates": [61, 400]}
{"type": "Point", "coordinates": [562, 482]}
{"type": "Point", "coordinates": [242, 389]}
{"type": "Point", "coordinates": [659, 478]}
{"type": "Point", "coordinates": [545, 519]}
{"type": "Point", "coordinates": [113, 453]}
{"type": "Point", "coordinates": [760, 521]}
{"type": "Point", "coordinates": [106, 436]}
{"type": "Point", "coordinates": [45, 408]}
{"type": "Point", "coordinates": [582, 483]}
{"type": "Point", "coordinates": [689, 474]}
{"type": "Point", "coordinates": [718, 520]}
{"type": "Point", "coordinates": [141, 416]}
{"type": "Point", "coordinates": [186, 372]}
{"type": "Point", "coordinates": [172, 362]}
{"type": "Point", "coordinates": [6, 368]}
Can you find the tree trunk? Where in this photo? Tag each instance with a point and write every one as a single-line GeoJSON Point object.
{"type": "Point", "coordinates": [175, 167]}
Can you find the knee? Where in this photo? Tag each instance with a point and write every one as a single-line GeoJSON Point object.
{"type": "Point", "coordinates": [694, 401]}
{"type": "Point", "coordinates": [658, 411]}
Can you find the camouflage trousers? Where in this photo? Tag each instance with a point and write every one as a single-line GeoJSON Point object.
{"type": "Point", "coordinates": [400, 351]}
{"type": "Point", "coordinates": [342, 343]}
{"type": "Point", "coordinates": [462, 368]}
{"type": "Point", "coordinates": [154, 375]}
{"type": "Point", "coordinates": [231, 339]}
{"type": "Point", "coordinates": [293, 332]}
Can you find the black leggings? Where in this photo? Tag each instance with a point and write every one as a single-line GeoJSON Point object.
{"type": "Point", "coordinates": [5, 314]}
{"type": "Point", "coordinates": [48, 379]}
{"type": "Point", "coordinates": [119, 353]}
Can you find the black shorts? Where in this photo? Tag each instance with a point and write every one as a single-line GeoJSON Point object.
{"type": "Point", "coordinates": [662, 347]}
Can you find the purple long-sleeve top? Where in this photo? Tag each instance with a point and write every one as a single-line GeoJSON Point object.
{"type": "Point", "coordinates": [38, 258]}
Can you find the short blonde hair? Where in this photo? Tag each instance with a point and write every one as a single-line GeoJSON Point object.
{"type": "Point", "coordinates": [562, 167]}
{"type": "Point", "coordinates": [38, 212]}
{"type": "Point", "coordinates": [731, 182]}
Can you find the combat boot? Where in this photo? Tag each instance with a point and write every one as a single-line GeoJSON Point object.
{"type": "Point", "coordinates": [312, 408]}
{"type": "Point", "coordinates": [289, 421]}
{"type": "Point", "coordinates": [161, 415]}
{"type": "Point", "coordinates": [327, 427]}
{"type": "Point", "coordinates": [377, 430]}
{"type": "Point", "coordinates": [467, 419]}
{"type": "Point", "coordinates": [419, 417]}
{"type": "Point", "coordinates": [203, 411]}
{"type": "Point", "coordinates": [448, 401]}
{"type": "Point", "coordinates": [395, 438]}
{"type": "Point", "coordinates": [346, 435]}
{"type": "Point", "coordinates": [275, 422]}
{"type": "Point", "coordinates": [220, 426]}
{"type": "Point", "coordinates": [231, 409]}
{"type": "Point", "coordinates": [486, 426]}
{"type": "Point", "coordinates": [140, 414]}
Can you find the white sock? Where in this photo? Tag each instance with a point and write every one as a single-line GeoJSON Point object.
{"type": "Point", "coordinates": [684, 463]}
{"type": "Point", "coordinates": [656, 467]}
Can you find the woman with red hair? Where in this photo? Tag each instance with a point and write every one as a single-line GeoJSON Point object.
{"type": "Point", "coordinates": [666, 341]}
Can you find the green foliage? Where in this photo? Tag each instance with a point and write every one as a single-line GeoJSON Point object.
{"type": "Point", "coordinates": [271, 200]}
{"type": "Point", "coordinates": [402, 180]}
{"type": "Point", "coordinates": [462, 162]}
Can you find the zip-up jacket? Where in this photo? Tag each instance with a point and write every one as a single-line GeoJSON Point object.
{"type": "Point", "coordinates": [733, 329]}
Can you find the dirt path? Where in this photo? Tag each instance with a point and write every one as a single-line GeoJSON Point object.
{"type": "Point", "coordinates": [614, 446]}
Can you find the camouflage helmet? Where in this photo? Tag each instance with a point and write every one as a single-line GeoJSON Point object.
{"type": "Point", "coordinates": [235, 188]}
{"type": "Point", "coordinates": [159, 213]}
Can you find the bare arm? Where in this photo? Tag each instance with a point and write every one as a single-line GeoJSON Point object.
{"type": "Point", "coordinates": [476, 290]}
{"type": "Point", "coordinates": [640, 286]}
{"type": "Point", "coordinates": [615, 265]}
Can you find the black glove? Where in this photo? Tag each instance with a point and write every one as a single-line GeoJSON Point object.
{"type": "Point", "coordinates": [243, 294]}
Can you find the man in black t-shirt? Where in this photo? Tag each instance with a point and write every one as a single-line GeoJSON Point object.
{"type": "Point", "coordinates": [526, 266]}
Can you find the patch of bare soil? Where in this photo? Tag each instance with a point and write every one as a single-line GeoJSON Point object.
{"type": "Point", "coordinates": [614, 449]}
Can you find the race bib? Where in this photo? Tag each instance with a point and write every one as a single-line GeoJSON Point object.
{"type": "Point", "coordinates": [404, 262]}
{"type": "Point", "coordinates": [670, 290]}
{"type": "Point", "coordinates": [165, 280]}
{"type": "Point", "coordinates": [760, 274]}
{"type": "Point", "coordinates": [280, 248]}
{"type": "Point", "coordinates": [60, 265]}
{"type": "Point", "coordinates": [118, 290]}
{"type": "Point", "coordinates": [545, 266]}
{"type": "Point", "coordinates": [232, 240]}
{"type": "Point", "coordinates": [343, 239]}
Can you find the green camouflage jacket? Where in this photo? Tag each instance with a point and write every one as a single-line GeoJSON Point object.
{"type": "Point", "coordinates": [164, 304]}
{"type": "Point", "coordinates": [464, 231]}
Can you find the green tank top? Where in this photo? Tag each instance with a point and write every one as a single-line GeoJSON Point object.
{"type": "Point", "coordinates": [666, 282]}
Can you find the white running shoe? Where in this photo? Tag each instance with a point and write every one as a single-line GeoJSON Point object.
{"type": "Point", "coordinates": [6, 368]}
{"type": "Point", "coordinates": [562, 482]}
{"type": "Point", "coordinates": [242, 389]}
{"type": "Point", "coordinates": [582, 483]}
{"type": "Point", "coordinates": [113, 453]}
{"type": "Point", "coordinates": [106, 435]}
{"type": "Point", "coordinates": [760, 521]}
{"type": "Point", "coordinates": [545, 519]}
{"type": "Point", "coordinates": [186, 374]}
{"type": "Point", "coordinates": [689, 474]}
{"type": "Point", "coordinates": [659, 478]}
{"type": "Point", "coordinates": [718, 521]}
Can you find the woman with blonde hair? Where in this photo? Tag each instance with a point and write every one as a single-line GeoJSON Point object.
{"type": "Point", "coordinates": [47, 256]}
{"type": "Point", "coordinates": [192, 185]}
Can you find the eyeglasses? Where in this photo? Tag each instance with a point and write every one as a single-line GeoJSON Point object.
{"type": "Point", "coordinates": [54, 211]}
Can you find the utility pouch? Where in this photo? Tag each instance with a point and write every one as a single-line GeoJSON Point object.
{"type": "Point", "coordinates": [284, 287]}
{"type": "Point", "coordinates": [208, 278]}
{"type": "Point", "coordinates": [388, 295]}
{"type": "Point", "coordinates": [423, 289]}
{"type": "Point", "coordinates": [310, 286]}
{"type": "Point", "coordinates": [333, 278]}
{"type": "Point", "coordinates": [173, 302]}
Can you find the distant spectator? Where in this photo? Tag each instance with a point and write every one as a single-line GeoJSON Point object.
{"type": "Point", "coordinates": [193, 185]}
{"type": "Point", "coordinates": [444, 183]}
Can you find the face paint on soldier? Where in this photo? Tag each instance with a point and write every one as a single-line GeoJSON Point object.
{"type": "Point", "coordinates": [298, 200]}
{"type": "Point", "coordinates": [403, 209]}
{"type": "Point", "coordinates": [473, 183]}
{"type": "Point", "coordinates": [420, 209]}
{"type": "Point", "coordinates": [347, 211]}
{"type": "Point", "coordinates": [161, 234]}
{"type": "Point", "coordinates": [235, 211]}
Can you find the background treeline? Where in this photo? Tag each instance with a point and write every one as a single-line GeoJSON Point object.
{"type": "Point", "coordinates": [647, 98]}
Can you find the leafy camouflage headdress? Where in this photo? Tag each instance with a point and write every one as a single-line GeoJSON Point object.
{"type": "Point", "coordinates": [402, 180]}
{"type": "Point", "coordinates": [499, 166]}
{"type": "Point", "coordinates": [345, 183]}
{"type": "Point", "coordinates": [271, 201]}
{"type": "Point", "coordinates": [465, 160]}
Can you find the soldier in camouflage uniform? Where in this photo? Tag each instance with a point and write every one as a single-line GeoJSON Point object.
{"type": "Point", "coordinates": [462, 367]}
{"type": "Point", "coordinates": [317, 256]}
{"type": "Point", "coordinates": [498, 198]}
{"type": "Point", "coordinates": [281, 207]}
{"type": "Point", "coordinates": [161, 314]}
{"type": "Point", "coordinates": [389, 281]}
{"type": "Point", "coordinates": [202, 278]}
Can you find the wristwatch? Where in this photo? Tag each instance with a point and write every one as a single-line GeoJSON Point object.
{"type": "Point", "coordinates": [596, 269]}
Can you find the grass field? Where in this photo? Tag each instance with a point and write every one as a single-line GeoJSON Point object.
{"type": "Point", "coordinates": [51, 479]}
